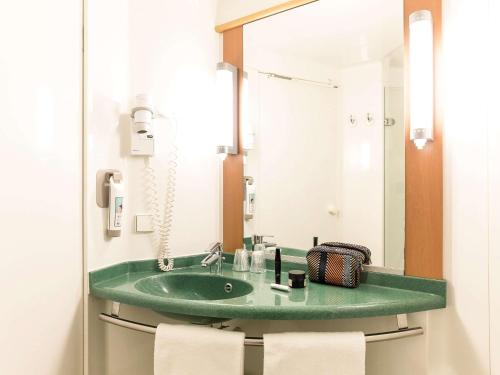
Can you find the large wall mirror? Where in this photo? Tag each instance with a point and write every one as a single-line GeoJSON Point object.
{"type": "Point", "coordinates": [324, 145]}
{"type": "Point", "coordinates": [324, 141]}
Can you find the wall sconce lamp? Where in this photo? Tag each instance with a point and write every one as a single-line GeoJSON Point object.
{"type": "Point", "coordinates": [227, 109]}
{"type": "Point", "coordinates": [248, 135]}
{"type": "Point", "coordinates": [421, 60]}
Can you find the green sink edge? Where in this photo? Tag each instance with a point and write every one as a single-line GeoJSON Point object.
{"type": "Point", "coordinates": [435, 291]}
{"type": "Point", "coordinates": [417, 284]}
{"type": "Point", "coordinates": [119, 269]}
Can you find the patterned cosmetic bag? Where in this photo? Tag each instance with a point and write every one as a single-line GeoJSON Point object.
{"type": "Point", "coordinates": [337, 263]}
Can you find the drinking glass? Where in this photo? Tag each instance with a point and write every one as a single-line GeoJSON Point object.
{"type": "Point", "coordinates": [258, 262]}
{"type": "Point", "coordinates": [240, 263]}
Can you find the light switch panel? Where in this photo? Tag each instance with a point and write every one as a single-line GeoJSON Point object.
{"type": "Point", "coordinates": [144, 223]}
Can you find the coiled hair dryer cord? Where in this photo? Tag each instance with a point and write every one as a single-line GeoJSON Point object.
{"type": "Point", "coordinates": [162, 225]}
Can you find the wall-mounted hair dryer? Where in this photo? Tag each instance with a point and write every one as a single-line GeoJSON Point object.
{"type": "Point", "coordinates": [141, 134]}
{"type": "Point", "coordinates": [142, 143]}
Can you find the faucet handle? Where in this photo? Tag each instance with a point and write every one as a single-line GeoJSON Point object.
{"type": "Point", "coordinates": [214, 246]}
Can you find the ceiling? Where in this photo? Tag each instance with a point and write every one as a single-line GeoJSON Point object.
{"type": "Point", "coordinates": [339, 33]}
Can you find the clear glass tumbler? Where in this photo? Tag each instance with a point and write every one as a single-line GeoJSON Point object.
{"type": "Point", "coordinates": [240, 263]}
{"type": "Point", "coordinates": [258, 261]}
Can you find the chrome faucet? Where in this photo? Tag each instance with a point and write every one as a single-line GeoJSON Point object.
{"type": "Point", "coordinates": [259, 239]}
{"type": "Point", "coordinates": [216, 252]}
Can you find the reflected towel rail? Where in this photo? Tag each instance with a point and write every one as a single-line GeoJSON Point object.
{"type": "Point", "coordinates": [259, 341]}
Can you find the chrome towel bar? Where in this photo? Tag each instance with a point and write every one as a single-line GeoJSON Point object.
{"type": "Point", "coordinates": [402, 332]}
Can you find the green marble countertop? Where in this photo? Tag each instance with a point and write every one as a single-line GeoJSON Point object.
{"type": "Point", "coordinates": [379, 294]}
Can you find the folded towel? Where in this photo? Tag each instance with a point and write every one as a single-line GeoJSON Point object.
{"type": "Point", "coordinates": [321, 353]}
{"type": "Point", "coordinates": [195, 350]}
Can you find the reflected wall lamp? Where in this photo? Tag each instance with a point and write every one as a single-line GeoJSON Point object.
{"type": "Point", "coordinates": [421, 78]}
{"type": "Point", "coordinates": [248, 135]}
{"type": "Point", "coordinates": [227, 109]}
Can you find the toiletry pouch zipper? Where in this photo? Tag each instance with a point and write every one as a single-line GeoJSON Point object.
{"type": "Point", "coordinates": [337, 263]}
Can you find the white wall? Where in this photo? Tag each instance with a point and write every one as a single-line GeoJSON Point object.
{"type": "Point", "coordinates": [168, 49]}
{"type": "Point", "coordinates": [459, 336]}
{"type": "Point", "coordinates": [494, 184]}
{"type": "Point", "coordinates": [41, 321]}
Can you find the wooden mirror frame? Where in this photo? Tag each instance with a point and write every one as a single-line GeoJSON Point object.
{"type": "Point", "coordinates": [423, 168]}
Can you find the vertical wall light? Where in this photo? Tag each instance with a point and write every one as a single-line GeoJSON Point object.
{"type": "Point", "coordinates": [227, 108]}
{"type": "Point", "coordinates": [247, 136]}
{"type": "Point", "coordinates": [421, 60]}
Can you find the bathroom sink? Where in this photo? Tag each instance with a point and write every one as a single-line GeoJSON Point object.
{"type": "Point", "coordinates": [194, 287]}
{"type": "Point", "coordinates": [192, 294]}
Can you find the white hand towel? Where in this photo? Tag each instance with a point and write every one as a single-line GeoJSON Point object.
{"type": "Point", "coordinates": [195, 350]}
{"type": "Point", "coordinates": [321, 353]}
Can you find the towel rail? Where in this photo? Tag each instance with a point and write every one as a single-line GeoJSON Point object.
{"type": "Point", "coordinates": [259, 341]}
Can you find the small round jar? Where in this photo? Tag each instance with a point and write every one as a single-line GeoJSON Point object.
{"type": "Point", "coordinates": [296, 279]}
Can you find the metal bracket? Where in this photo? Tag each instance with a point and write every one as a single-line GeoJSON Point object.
{"type": "Point", "coordinates": [402, 321]}
{"type": "Point", "coordinates": [102, 185]}
{"type": "Point", "coordinates": [115, 309]}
